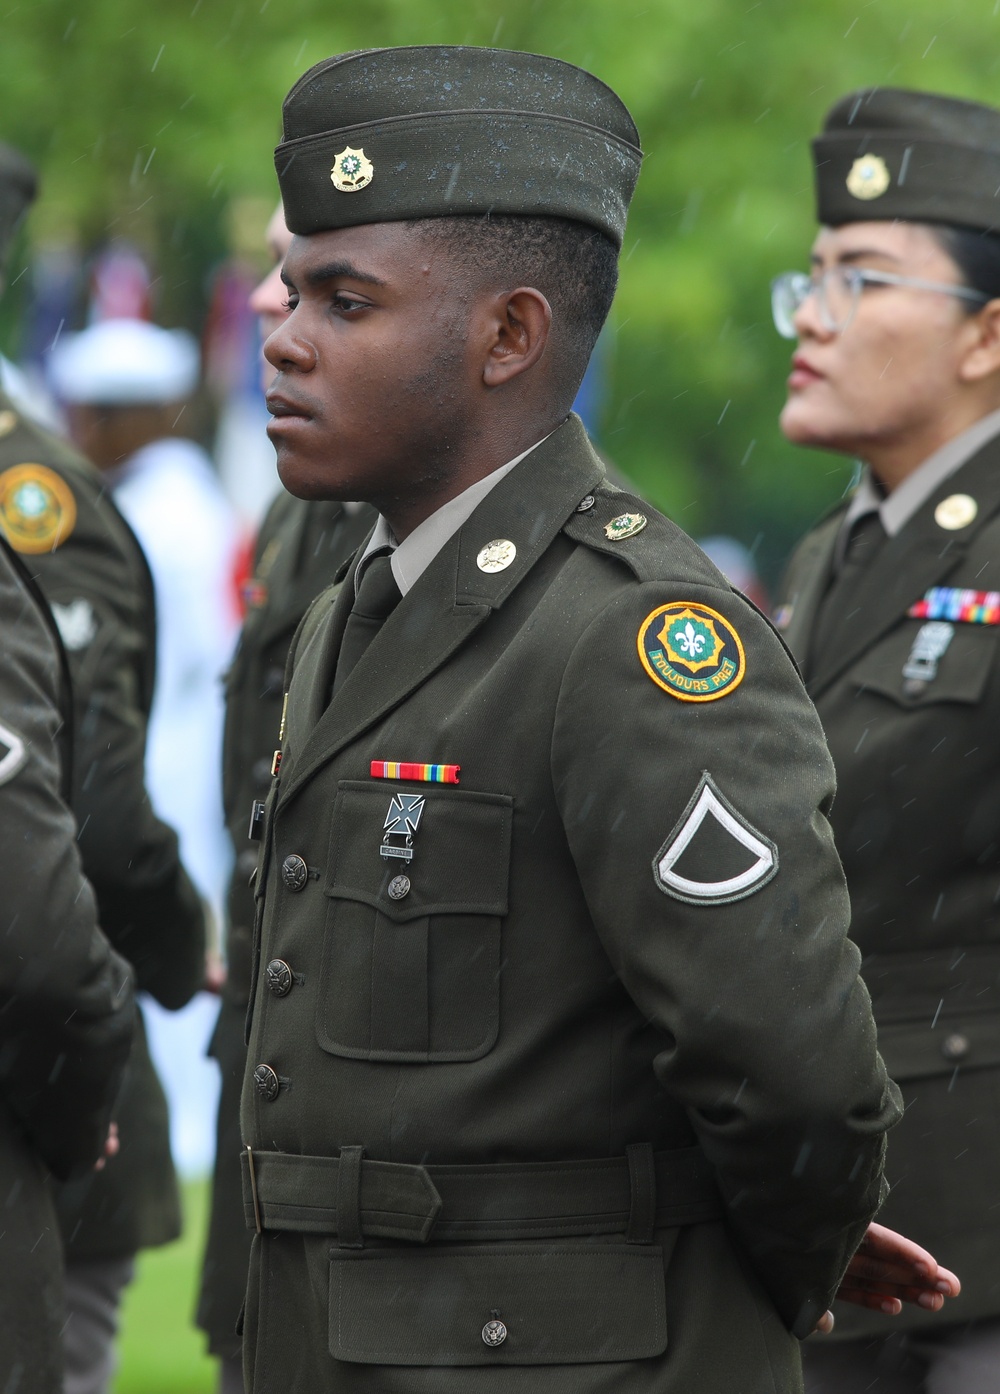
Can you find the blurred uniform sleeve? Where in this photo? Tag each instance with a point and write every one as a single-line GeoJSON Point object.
{"type": "Point", "coordinates": [66, 1009]}
{"type": "Point", "coordinates": [699, 833]}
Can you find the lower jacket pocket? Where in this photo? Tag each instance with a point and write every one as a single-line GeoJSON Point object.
{"type": "Point", "coordinates": [498, 1304]}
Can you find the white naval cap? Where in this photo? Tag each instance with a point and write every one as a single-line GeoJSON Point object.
{"type": "Point", "coordinates": [125, 362]}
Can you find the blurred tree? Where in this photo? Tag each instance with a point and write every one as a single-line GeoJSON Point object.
{"type": "Point", "coordinates": [147, 120]}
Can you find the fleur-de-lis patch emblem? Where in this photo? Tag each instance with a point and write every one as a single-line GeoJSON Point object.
{"type": "Point", "coordinates": [691, 639]}
{"type": "Point", "coordinates": [691, 651]}
{"type": "Point", "coordinates": [352, 171]}
{"type": "Point", "coordinates": [402, 820]}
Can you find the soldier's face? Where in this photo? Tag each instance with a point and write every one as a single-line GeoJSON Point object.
{"type": "Point", "coordinates": [893, 375]}
{"type": "Point", "coordinates": [376, 364]}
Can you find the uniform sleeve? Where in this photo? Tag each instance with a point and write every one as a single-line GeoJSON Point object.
{"type": "Point", "coordinates": [66, 1009]}
{"type": "Point", "coordinates": [147, 905]}
{"type": "Point", "coordinates": [697, 826]}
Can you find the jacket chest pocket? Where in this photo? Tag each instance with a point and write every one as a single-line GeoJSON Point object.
{"type": "Point", "coordinates": [955, 671]}
{"type": "Point", "coordinates": [417, 892]}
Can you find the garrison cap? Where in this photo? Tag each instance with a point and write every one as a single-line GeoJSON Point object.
{"type": "Point", "coordinates": [386, 134]}
{"type": "Point", "coordinates": [18, 187]}
{"type": "Point", "coordinates": [888, 153]}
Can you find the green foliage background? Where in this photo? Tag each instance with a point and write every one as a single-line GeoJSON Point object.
{"type": "Point", "coordinates": [147, 119]}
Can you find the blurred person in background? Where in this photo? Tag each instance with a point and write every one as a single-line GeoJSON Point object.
{"type": "Point", "coordinates": [892, 607]}
{"type": "Point", "coordinates": [125, 384]}
{"type": "Point", "coordinates": [300, 548]}
{"type": "Point", "coordinates": [56, 512]}
{"type": "Point", "coordinates": [66, 1009]}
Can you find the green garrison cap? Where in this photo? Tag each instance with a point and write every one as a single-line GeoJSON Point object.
{"type": "Point", "coordinates": [18, 187]}
{"type": "Point", "coordinates": [889, 153]}
{"type": "Point", "coordinates": [385, 134]}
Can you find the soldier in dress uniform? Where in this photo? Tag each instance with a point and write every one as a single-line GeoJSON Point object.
{"type": "Point", "coordinates": [892, 608]}
{"type": "Point", "coordinates": [66, 1009]}
{"type": "Point", "coordinates": [561, 1075]}
{"type": "Point", "coordinates": [57, 514]}
{"type": "Point", "coordinates": [299, 549]}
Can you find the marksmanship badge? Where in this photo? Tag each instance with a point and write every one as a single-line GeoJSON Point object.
{"type": "Point", "coordinates": [402, 820]}
{"type": "Point", "coordinates": [352, 171]}
{"type": "Point", "coordinates": [37, 509]}
{"type": "Point", "coordinates": [869, 177]}
{"type": "Point", "coordinates": [691, 652]}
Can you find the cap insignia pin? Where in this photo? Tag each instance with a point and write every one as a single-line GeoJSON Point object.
{"type": "Point", "coordinates": [625, 525]}
{"type": "Point", "coordinates": [869, 177]}
{"type": "Point", "coordinates": [956, 511]}
{"type": "Point", "coordinates": [351, 171]}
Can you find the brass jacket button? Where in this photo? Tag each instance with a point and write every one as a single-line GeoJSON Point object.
{"type": "Point", "coordinates": [294, 872]}
{"type": "Point", "coordinates": [266, 1083]}
{"type": "Point", "coordinates": [494, 1333]}
{"type": "Point", "coordinates": [279, 977]}
{"type": "Point", "coordinates": [955, 1047]}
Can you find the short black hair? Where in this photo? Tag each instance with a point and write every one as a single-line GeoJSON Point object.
{"type": "Point", "coordinates": [975, 253]}
{"type": "Point", "coordinates": [575, 267]}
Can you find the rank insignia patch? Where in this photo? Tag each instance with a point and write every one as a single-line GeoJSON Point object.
{"type": "Point", "coordinates": [37, 510]}
{"type": "Point", "coordinates": [714, 855]}
{"type": "Point", "coordinates": [352, 171]}
{"type": "Point", "coordinates": [691, 652]}
{"type": "Point", "coordinates": [13, 753]}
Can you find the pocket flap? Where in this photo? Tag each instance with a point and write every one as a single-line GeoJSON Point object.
{"type": "Point", "coordinates": [915, 1051]}
{"type": "Point", "coordinates": [962, 672]}
{"type": "Point", "coordinates": [559, 1305]}
{"type": "Point", "coordinates": [461, 851]}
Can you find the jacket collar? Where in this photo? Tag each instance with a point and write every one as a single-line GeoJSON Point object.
{"type": "Point", "coordinates": [447, 605]}
{"type": "Point", "coordinates": [921, 555]}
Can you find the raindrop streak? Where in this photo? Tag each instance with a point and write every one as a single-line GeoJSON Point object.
{"type": "Point", "coordinates": [723, 412]}
{"type": "Point", "coordinates": [929, 47]}
{"type": "Point", "coordinates": [157, 58]}
{"type": "Point", "coordinates": [850, 27]}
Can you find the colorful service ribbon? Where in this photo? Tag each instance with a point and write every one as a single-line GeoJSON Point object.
{"type": "Point", "coordinates": [961, 606]}
{"type": "Point", "coordinates": [426, 774]}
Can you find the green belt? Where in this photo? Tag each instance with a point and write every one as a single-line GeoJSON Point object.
{"type": "Point", "coordinates": [351, 1196]}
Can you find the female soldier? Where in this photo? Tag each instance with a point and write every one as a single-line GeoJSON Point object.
{"type": "Point", "coordinates": [892, 607]}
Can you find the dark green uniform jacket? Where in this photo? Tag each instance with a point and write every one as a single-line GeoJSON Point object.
{"type": "Point", "coordinates": [66, 1010]}
{"type": "Point", "coordinates": [299, 549]}
{"type": "Point", "coordinates": [89, 566]}
{"type": "Point", "coordinates": [625, 928]}
{"type": "Point", "coordinates": [916, 822]}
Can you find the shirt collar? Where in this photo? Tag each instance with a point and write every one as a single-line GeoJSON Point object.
{"type": "Point", "coordinates": [412, 556]}
{"type": "Point", "coordinates": [896, 509]}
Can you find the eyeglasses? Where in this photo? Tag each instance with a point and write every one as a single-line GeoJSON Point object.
{"type": "Point", "coordinates": [838, 293]}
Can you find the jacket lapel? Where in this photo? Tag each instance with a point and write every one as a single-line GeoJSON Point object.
{"type": "Point", "coordinates": [809, 579]}
{"type": "Point", "coordinates": [921, 555]}
{"type": "Point", "coordinates": [447, 605]}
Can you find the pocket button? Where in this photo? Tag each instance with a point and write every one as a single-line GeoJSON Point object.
{"type": "Point", "coordinates": [399, 887]}
{"type": "Point", "coordinates": [494, 1333]}
{"type": "Point", "coordinates": [955, 1047]}
{"type": "Point", "coordinates": [266, 1083]}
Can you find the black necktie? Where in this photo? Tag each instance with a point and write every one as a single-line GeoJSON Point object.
{"type": "Point", "coordinates": [377, 596]}
{"type": "Point", "coordinates": [838, 610]}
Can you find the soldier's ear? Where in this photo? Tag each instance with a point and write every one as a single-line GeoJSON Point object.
{"type": "Point", "coordinates": [982, 358]}
{"type": "Point", "coordinates": [517, 330]}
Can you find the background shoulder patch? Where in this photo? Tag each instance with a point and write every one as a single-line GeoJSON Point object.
{"type": "Point", "coordinates": [692, 652]}
{"type": "Point", "coordinates": [37, 508]}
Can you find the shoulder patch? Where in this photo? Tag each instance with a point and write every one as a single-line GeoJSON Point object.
{"type": "Point", "coordinates": [713, 855]}
{"type": "Point", "coordinates": [692, 652]}
{"type": "Point", "coordinates": [37, 508]}
{"type": "Point", "coordinates": [13, 753]}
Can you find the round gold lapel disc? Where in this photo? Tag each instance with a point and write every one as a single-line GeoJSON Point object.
{"type": "Point", "coordinates": [869, 177]}
{"type": "Point", "coordinates": [956, 511]}
{"type": "Point", "coordinates": [352, 171]}
{"type": "Point", "coordinates": [496, 556]}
